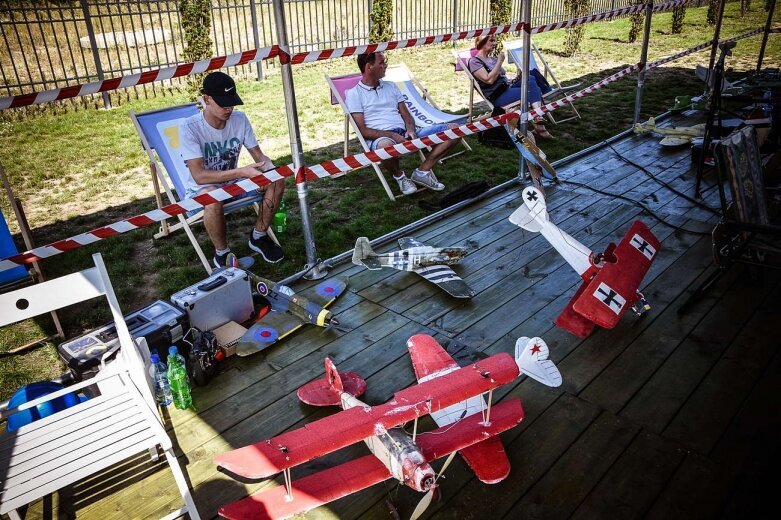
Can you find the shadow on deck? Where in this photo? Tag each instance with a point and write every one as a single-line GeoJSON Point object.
{"type": "Point", "coordinates": [665, 416]}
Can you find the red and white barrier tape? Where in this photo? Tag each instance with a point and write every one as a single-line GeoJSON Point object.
{"type": "Point", "coordinates": [322, 170]}
{"type": "Point", "coordinates": [187, 69]}
{"type": "Point", "coordinates": [242, 58]}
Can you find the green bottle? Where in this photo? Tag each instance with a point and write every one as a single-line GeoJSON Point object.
{"type": "Point", "coordinates": [177, 378]}
{"type": "Point", "coordinates": [280, 221]}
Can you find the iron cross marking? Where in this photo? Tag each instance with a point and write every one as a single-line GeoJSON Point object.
{"type": "Point", "coordinates": [643, 246]}
{"type": "Point", "coordinates": [611, 298]}
{"type": "Point", "coordinates": [531, 196]}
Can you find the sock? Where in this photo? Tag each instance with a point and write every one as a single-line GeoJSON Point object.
{"type": "Point", "coordinates": [222, 252]}
{"type": "Point", "coordinates": [401, 176]}
{"type": "Point", "coordinates": [257, 234]}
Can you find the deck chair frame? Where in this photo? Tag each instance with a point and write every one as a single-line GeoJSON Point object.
{"type": "Point", "coordinates": [515, 53]}
{"type": "Point", "coordinates": [397, 72]}
{"type": "Point", "coordinates": [462, 63]}
{"type": "Point", "coordinates": [52, 452]}
{"type": "Point", "coordinates": [159, 180]}
{"type": "Point", "coordinates": [34, 274]}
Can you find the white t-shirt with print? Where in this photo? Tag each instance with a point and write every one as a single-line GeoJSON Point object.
{"type": "Point", "coordinates": [219, 148]}
{"type": "Point", "coordinates": [380, 105]}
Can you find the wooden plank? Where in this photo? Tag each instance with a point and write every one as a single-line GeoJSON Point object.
{"type": "Point", "coordinates": [559, 492]}
{"type": "Point", "coordinates": [630, 487]}
{"type": "Point", "coordinates": [702, 421]}
{"type": "Point", "coordinates": [697, 490]}
{"type": "Point", "coordinates": [657, 402]}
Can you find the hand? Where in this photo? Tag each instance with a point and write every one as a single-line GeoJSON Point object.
{"type": "Point", "coordinates": [396, 137]}
{"type": "Point", "coordinates": [410, 135]}
{"type": "Point", "coordinates": [500, 59]}
{"type": "Point", "coordinates": [249, 171]}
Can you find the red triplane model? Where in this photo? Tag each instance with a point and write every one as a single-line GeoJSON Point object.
{"type": "Point", "coordinates": [611, 279]}
{"type": "Point", "coordinates": [395, 454]}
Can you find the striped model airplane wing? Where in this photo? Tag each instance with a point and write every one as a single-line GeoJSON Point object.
{"type": "Point", "coordinates": [447, 279]}
{"type": "Point", "coordinates": [266, 458]}
{"type": "Point", "coordinates": [487, 459]}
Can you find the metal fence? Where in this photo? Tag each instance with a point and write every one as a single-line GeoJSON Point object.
{"type": "Point", "coordinates": [55, 43]}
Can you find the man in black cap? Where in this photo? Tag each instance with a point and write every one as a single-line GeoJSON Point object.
{"type": "Point", "coordinates": [211, 143]}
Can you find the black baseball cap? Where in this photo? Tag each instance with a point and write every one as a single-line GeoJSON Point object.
{"type": "Point", "coordinates": [222, 89]}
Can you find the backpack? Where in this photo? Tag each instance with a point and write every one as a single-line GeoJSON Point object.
{"type": "Point", "coordinates": [496, 137]}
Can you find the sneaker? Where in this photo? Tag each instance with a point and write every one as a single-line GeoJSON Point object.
{"type": "Point", "coordinates": [270, 251]}
{"type": "Point", "coordinates": [226, 260]}
{"type": "Point", "coordinates": [427, 179]}
{"type": "Point", "coordinates": [406, 186]}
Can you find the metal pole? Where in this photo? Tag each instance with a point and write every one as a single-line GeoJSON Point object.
{"type": "Point", "coordinates": [764, 36]}
{"type": "Point", "coordinates": [291, 110]}
{"type": "Point", "coordinates": [526, 10]}
{"type": "Point", "coordinates": [253, 11]}
{"type": "Point", "coordinates": [714, 46]}
{"type": "Point", "coordinates": [94, 46]}
{"type": "Point", "coordinates": [649, 5]}
{"type": "Point", "coordinates": [455, 19]}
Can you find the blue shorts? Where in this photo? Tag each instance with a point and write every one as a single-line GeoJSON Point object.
{"type": "Point", "coordinates": [420, 132]}
{"type": "Point", "coordinates": [189, 193]}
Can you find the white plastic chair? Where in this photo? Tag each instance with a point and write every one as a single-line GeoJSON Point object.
{"type": "Point", "coordinates": [55, 451]}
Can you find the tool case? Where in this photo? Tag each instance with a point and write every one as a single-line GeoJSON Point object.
{"type": "Point", "coordinates": [161, 323]}
{"type": "Point", "coordinates": [225, 296]}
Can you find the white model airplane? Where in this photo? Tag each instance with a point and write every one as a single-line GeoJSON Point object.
{"type": "Point", "coordinates": [674, 135]}
{"type": "Point", "coordinates": [610, 279]}
{"type": "Point", "coordinates": [429, 262]}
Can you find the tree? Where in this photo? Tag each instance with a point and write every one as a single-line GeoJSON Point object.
{"type": "Point", "coordinates": [636, 23]}
{"type": "Point", "coordinates": [713, 11]}
{"type": "Point", "coordinates": [196, 19]}
{"type": "Point", "coordinates": [575, 9]}
{"type": "Point", "coordinates": [381, 21]}
{"type": "Point", "coordinates": [678, 15]}
{"type": "Point", "coordinates": [500, 12]}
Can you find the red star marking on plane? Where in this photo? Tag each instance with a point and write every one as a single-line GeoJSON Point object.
{"type": "Point", "coordinates": [536, 349]}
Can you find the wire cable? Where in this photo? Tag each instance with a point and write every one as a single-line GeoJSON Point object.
{"type": "Point", "coordinates": [665, 184]}
{"type": "Point", "coordinates": [636, 203]}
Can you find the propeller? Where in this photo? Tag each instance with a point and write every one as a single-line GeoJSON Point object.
{"type": "Point", "coordinates": [333, 324]}
{"type": "Point", "coordinates": [426, 500]}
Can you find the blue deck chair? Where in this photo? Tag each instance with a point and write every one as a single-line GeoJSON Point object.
{"type": "Point", "coordinates": [159, 133]}
{"type": "Point", "coordinates": [418, 101]}
{"type": "Point", "coordinates": [515, 53]}
{"type": "Point", "coordinates": [20, 276]}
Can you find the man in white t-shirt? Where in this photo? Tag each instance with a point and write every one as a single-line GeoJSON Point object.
{"type": "Point", "coordinates": [211, 143]}
{"type": "Point", "coordinates": [378, 109]}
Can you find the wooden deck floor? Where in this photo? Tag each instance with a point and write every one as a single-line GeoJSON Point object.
{"type": "Point", "coordinates": [670, 416]}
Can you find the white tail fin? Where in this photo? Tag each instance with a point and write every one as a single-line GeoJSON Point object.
{"type": "Point", "coordinates": [533, 213]}
{"type": "Point", "coordinates": [533, 216]}
{"type": "Point", "coordinates": [532, 358]}
{"type": "Point", "coordinates": [363, 254]}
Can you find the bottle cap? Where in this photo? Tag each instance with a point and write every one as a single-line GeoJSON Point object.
{"type": "Point", "coordinates": [154, 358]}
{"type": "Point", "coordinates": [172, 350]}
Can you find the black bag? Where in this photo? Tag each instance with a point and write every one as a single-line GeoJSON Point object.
{"type": "Point", "coordinates": [203, 358]}
{"type": "Point", "coordinates": [496, 137]}
{"type": "Point", "coordinates": [465, 192]}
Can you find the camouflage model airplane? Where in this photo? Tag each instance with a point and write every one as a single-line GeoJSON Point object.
{"type": "Point", "coordinates": [674, 136]}
{"type": "Point", "coordinates": [289, 311]}
{"type": "Point", "coordinates": [429, 262]}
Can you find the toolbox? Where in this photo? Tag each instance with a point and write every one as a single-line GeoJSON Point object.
{"type": "Point", "coordinates": [224, 296]}
{"type": "Point", "coordinates": [161, 323]}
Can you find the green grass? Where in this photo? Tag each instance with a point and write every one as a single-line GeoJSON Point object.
{"type": "Point", "coordinates": [78, 169]}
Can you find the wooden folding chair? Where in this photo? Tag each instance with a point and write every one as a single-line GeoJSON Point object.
{"type": "Point", "coordinates": [159, 133]}
{"type": "Point", "coordinates": [418, 101]}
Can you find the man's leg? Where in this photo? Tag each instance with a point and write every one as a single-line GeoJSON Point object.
{"type": "Point", "coordinates": [423, 174]}
{"type": "Point", "coordinates": [438, 151]}
{"type": "Point", "coordinates": [272, 197]}
{"type": "Point", "coordinates": [214, 221]}
{"type": "Point", "coordinates": [392, 165]}
{"type": "Point", "coordinates": [259, 240]}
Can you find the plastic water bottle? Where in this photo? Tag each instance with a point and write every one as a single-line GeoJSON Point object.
{"type": "Point", "coordinates": [279, 222]}
{"type": "Point", "coordinates": [177, 377]}
{"type": "Point", "coordinates": [159, 374]}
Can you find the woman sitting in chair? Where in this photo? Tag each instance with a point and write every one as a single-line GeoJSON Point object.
{"type": "Point", "coordinates": [500, 91]}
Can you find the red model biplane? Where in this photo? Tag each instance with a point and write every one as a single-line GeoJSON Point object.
{"type": "Point", "coordinates": [395, 454]}
{"type": "Point", "coordinates": [610, 280]}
